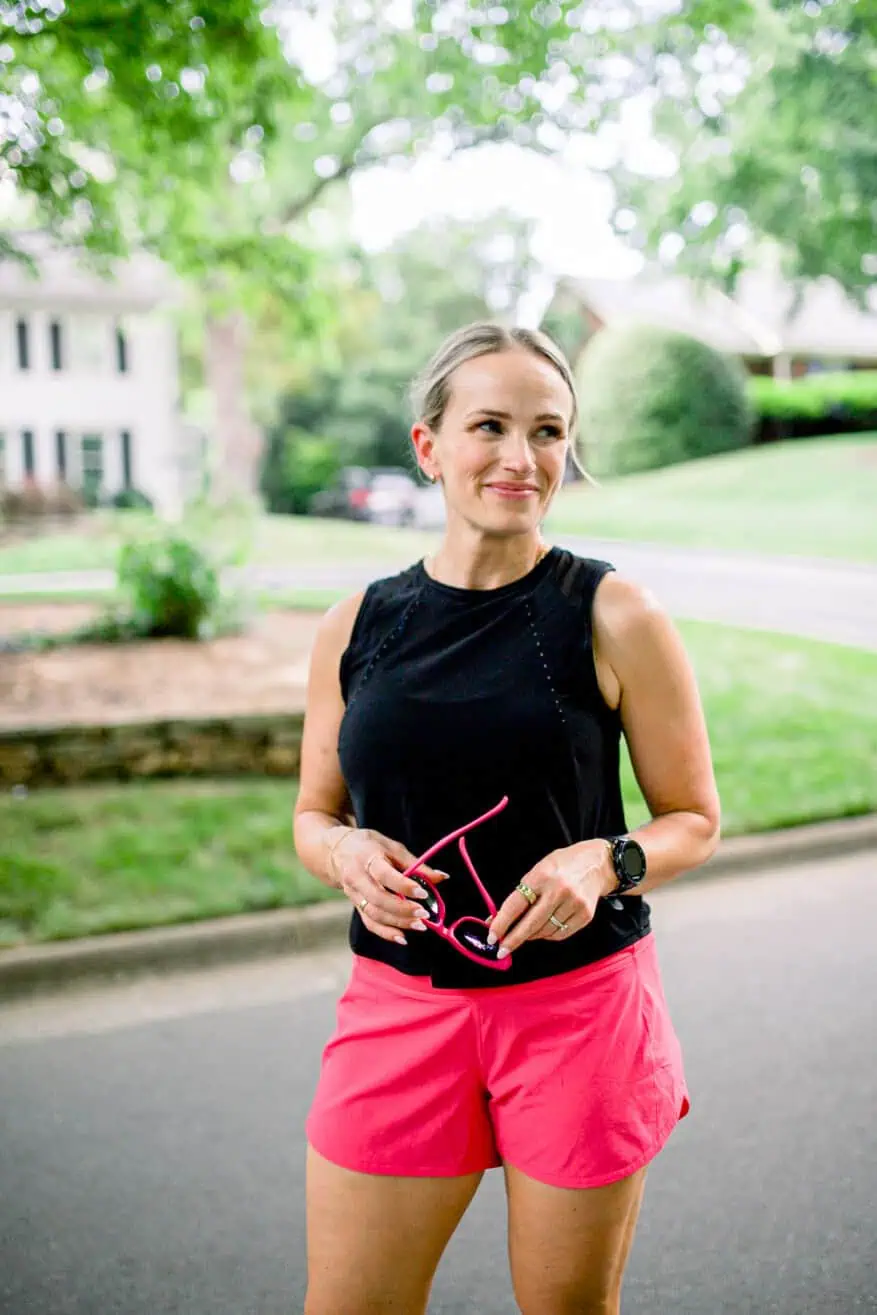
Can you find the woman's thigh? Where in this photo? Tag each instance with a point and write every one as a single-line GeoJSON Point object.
{"type": "Point", "coordinates": [375, 1241]}
{"type": "Point", "coordinates": [568, 1246]}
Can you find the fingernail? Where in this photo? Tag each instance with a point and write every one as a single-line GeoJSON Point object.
{"type": "Point", "coordinates": [418, 925]}
{"type": "Point", "coordinates": [492, 938]}
{"type": "Point", "coordinates": [438, 872]}
{"type": "Point", "coordinates": [503, 953]}
{"type": "Point", "coordinates": [400, 940]}
{"type": "Point", "coordinates": [421, 894]}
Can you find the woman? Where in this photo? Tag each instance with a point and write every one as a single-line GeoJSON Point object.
{"type": "Point", "coordinates": [459, 783]}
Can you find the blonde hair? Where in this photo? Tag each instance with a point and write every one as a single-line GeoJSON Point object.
{"type": "Point", "coordinates": [431, 390]}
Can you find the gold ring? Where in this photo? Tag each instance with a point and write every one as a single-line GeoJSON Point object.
{"type": "Point", "coordinates": [528, 892]}
{"type": "Point", "coordinates": [362, 904]}
{"type": "Point", "coordinates": [561, 926]}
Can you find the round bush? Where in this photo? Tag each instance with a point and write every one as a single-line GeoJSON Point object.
{"type": "Point", "coordinates": [131, 500]}
{"type": "Point", "coordinates": [651, 397]}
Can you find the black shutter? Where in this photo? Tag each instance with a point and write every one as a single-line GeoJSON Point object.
{"type": "Point", "coordinates": [61, 454]}
{"type": "Point", "coordinates": [55, 345]}
{"type": "Point", "coordinates": [23, 338]}
{"type": "Point", "coordinates": [127, 465]}
{"type": "Point", "coordinates": [27, 449]}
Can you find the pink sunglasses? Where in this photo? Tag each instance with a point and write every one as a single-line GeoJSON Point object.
{"type": "Point", "coordinates": [468, 934]}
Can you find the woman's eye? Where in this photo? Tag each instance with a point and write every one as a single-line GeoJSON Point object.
{"type": "Point", "coordinates": [493, 426]}
{"type": "Point", "coordinates": [549, 432]}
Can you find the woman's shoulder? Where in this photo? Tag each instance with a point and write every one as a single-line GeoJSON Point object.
{"type": "Point", "coordinates": [367, 608]}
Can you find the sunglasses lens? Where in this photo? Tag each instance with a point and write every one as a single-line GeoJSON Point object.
{"type": "Point", "coordinates": [472, 933]}
{"type": "Point", "coordinates": [430, 905]}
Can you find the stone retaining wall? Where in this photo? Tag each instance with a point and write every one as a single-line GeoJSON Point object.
{"type": "Point", "coordinates": [214, 746]}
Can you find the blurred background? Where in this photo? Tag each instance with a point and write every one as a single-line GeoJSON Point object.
{"type": "Point", "coordinates": [230, 234]}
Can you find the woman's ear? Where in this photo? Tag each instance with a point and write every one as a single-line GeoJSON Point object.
{"type": "Point", "coordinates": [423, 442]}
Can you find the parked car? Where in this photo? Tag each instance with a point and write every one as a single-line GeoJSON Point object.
{"type": "Point", "coordinates": [386, 495]}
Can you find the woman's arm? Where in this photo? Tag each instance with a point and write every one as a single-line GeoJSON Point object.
{"type": "Point", "coordinates": [644, 671]}
{"type": "Point", "coordinates": [363, 863]}
{"type": "Point", "coordinates": [322, 810]}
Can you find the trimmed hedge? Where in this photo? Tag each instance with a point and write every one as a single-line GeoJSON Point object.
{"type": "Point", "coordinates": [651, 397]}
{"type": "Point", "coordinates": [833, 394]}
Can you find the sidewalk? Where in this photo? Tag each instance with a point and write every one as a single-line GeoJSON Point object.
{"type": "Point", "coordinates": [69, 964]}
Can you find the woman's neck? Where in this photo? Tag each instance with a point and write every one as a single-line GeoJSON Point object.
{"type": "Point", "coordinates": [485, 563]}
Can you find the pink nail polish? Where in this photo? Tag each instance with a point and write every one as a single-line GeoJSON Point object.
{"type": "Point", "coordinates": [503, 953]}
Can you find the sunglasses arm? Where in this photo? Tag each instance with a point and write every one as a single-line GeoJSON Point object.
{"type": "Point", "coordinates": [455, 835]}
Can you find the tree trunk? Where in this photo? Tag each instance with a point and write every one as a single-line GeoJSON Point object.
{"type": "Point", "coordinates": [236, 447]}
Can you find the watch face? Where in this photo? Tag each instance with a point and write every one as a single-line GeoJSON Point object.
{"type": "Point", "coordinates": [633, 860]}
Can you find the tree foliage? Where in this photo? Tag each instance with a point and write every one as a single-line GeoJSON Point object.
{"type": "Point", "coordinates": [207, 130]}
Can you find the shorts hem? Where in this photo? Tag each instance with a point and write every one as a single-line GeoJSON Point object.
{"type": "Point", "coordinates": [605, 1179]}
{"type": "Point", "coordinates": [380, 1169]}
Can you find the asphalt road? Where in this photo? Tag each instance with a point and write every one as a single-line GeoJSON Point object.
{"type": "Point", "coordinates": [819, 599]}
{"type": "Point", "coordinates": [151, 1149]}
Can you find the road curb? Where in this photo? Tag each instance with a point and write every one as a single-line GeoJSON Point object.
{"type": "Point", "coordinates": [33, 970]}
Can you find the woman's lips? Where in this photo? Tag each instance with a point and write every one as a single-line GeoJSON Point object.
{"type": "Point", "coordinates": [518, 492]}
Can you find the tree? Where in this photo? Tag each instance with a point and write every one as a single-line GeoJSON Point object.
{"type": "Point", "coordinates": [398, 306]}
{"type": "Point", "coordinates": [206, 133]}
{"type": "Point", "coordinates": [768, 109]}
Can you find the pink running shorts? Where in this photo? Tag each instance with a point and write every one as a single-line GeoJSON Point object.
{"type": "Point", "coordinates": [575, 1080]}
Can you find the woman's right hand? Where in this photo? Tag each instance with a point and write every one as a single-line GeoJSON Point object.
{"type": "Point", "coordinates": [368, 867]}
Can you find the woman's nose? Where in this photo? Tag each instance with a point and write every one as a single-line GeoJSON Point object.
{"type": "Point", "coordinates": [517, 453]}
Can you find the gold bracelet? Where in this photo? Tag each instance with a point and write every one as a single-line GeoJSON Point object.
{"type": "Point", "coordinates": [345, 831]}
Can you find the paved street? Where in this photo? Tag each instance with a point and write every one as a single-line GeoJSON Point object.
{"type": "Point", "coordinates": [151, 1150]}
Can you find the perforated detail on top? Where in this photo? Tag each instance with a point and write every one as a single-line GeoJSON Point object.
{"type": "Point", "coordinates": [540, 649]}
{"type": "Point", "coordinates": [391, 637]}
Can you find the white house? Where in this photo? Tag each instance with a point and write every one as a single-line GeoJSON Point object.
{"type": "Point", "coordinates": [89, 388]}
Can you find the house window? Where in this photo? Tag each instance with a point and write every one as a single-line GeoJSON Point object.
{"type": "Point", "coordinates": [55, 346]}
{"type": "Point", "coordinates": [61, 455]}
{"type": "Point", "coordinates": [127, 465]}
{"type": "Point", "coordinates": [23, 340]}
{"type": "Point", "coordinates": [28, 460]}
{"type": "Point", "coordinates": [121, 350]}
{"type": "Point", "coordinates": [92, 468]}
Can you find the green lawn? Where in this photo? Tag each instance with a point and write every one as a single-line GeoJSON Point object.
{"type": "Point", "coordinates": [805, 498]}
{"type": "Point", "coordinates": [277, 541]}
{"type": "Point", "coordinates": [794, 732]}
{"type": "Point", "coordinates": [814, 498]}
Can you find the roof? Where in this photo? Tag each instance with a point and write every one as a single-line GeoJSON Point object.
{"type": "Point", "coordinates": [761, 319]}
{"type": "Point", "coordinates": [141, 282]}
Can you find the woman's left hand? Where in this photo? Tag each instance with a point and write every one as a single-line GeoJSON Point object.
{"type": "Point", "coordinates": [568, 884]}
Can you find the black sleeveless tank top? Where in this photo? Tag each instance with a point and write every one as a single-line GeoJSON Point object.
{"type": "Point", "coordinates": [457, 697]}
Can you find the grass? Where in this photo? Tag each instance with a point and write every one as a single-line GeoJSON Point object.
{"type": "Point", "coordinates": [812, 498]}
{"type": "Point", "coordinates": [297, 541]}
{"type": "Point", "coordinates": [793, 725]}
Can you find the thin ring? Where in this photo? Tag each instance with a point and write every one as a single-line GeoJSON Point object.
{"type": "Point", "coordinates": [528, 892]}
{"type": "Point", "coordinates": [368, 866]}
{"type": "Point", "coordinates": [363, 904]}
{"type": "Point", "coordinates": [561, 926]}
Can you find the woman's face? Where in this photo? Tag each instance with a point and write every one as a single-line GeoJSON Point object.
{"type": "Point", "coordinates": [501, 448]}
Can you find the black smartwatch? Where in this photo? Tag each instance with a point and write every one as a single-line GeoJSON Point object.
{"type": "Point", "coordinates": [629, 862]}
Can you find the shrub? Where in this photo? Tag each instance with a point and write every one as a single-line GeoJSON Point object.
{"type": "Point", "coordinates": [651, 398]}
{"type": "Point", "coordinates": [297, 466]}
{"type": "Point", "coordinates": [173, 587]}
{"type": "Point", "coordinates": [33, 502]}
{"type": "Point", "coordinates": [131, 500]}
{"type": "Point", "coordinates": [846, 394]}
